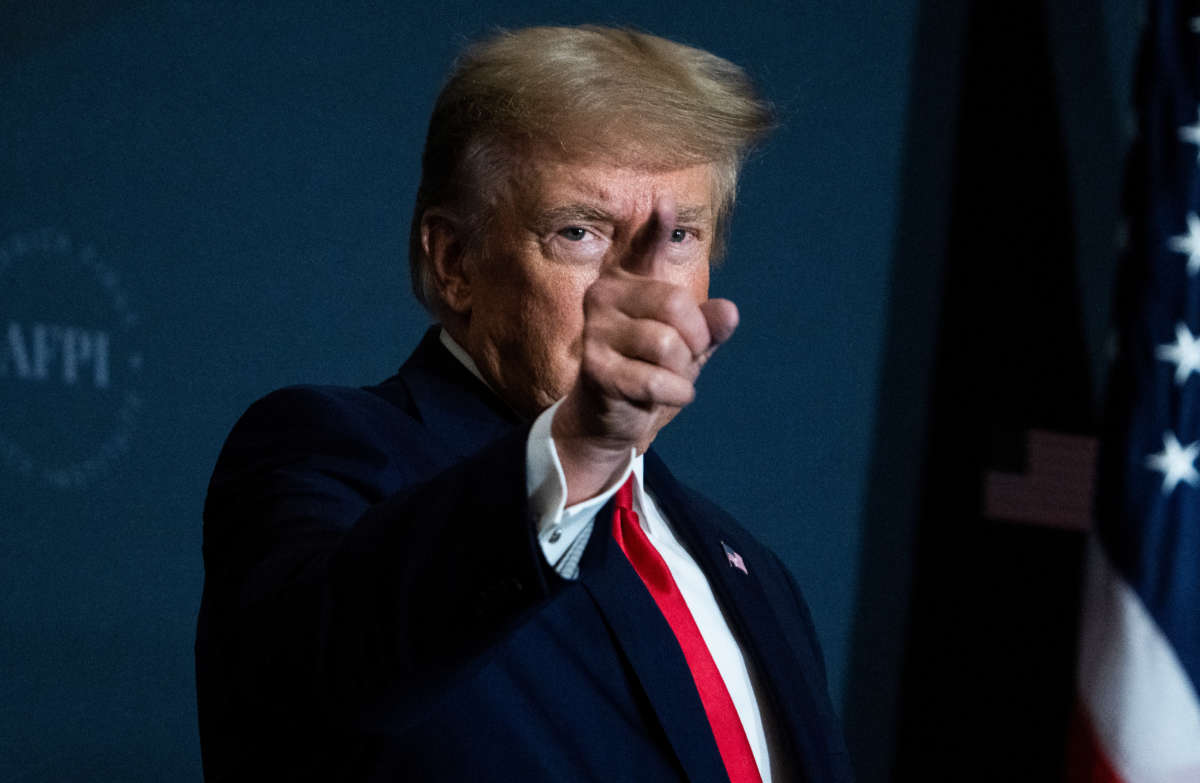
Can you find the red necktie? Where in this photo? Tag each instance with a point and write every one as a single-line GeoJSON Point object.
{"type": "Point", "coordinates": [722, 716]}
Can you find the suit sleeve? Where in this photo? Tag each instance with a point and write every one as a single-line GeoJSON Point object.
{"type": "Point", "coordinates": [340, 562]}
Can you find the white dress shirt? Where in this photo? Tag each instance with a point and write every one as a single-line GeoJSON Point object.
{"type": "Point", "coordinates": [563, 532]}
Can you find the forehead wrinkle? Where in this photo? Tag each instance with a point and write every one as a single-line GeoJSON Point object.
{"type": "Point", "coordinates": [575, 190]}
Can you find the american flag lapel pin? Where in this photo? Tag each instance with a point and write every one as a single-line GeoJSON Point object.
{"type": "Point", "coordinates": [735, 560]}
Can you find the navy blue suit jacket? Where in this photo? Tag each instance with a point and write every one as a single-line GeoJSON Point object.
{"type": "Point", "coordinates": [376, 608]}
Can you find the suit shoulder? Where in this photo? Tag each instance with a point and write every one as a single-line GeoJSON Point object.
{"type": "Point", "coordinates": [303, 410]}
{"type": "Point", "coordinates": [332, 425]}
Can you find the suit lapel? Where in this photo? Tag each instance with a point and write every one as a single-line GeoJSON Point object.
{"type": "Point", "coordinates": [782, 660]}
{"type": "Point", "coordinates": [467, 416]}
{"type": "Point", "coordinates": [653, 653]}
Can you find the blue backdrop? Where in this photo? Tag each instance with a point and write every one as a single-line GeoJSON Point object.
{"type": "Point", "coordinates": [204, 201]}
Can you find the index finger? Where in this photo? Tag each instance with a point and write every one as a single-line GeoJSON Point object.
{"type": "Point", "coordinates": [649, 257]}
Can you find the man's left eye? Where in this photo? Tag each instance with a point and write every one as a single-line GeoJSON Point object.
{"type": "Point", "coordinates": [573, 233]}
{"type": "Point", "coordinates": [678, 235]}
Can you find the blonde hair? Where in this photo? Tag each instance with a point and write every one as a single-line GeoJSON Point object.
{"type": "Point", "coordinates": [632, 98]}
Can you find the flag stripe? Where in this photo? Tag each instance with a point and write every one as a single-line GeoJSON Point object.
{"type": "Point", "coordinates": [1137, 698]}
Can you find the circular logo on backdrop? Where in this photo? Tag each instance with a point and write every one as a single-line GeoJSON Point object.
{"type": "Point", "coordinates": [69, 363]}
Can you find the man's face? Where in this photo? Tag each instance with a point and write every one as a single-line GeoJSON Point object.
{"type": "Point", "coordinates": [562, 224]}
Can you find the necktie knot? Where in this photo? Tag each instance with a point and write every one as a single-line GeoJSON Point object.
{"type": "Point", "coordinates": [624, 496]}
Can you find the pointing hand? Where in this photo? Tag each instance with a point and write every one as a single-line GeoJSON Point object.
{"type": "Point", "coordinates": [645, 340]}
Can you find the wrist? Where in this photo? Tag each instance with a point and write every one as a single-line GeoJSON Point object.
{"type": "Point", "coordinates": [590, 463]}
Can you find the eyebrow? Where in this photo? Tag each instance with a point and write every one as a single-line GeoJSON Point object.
{"type": "Point", "coordinates": [689, 214]}
{"type": "Point", "coordinates": [569, 213]}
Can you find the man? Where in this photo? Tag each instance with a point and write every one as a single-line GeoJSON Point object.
{"type": "Point", "coordinates": [475, 570]}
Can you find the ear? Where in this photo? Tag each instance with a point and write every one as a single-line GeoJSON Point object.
{"type": "Point", "coordinates": [445, 250]}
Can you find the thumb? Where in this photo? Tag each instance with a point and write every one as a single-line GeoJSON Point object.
{"type": "Point", "coordinates": [722, 318]}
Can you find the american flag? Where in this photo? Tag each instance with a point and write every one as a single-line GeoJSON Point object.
{"type": "Point", "coordinates": [735, 560]}
{"type": "Point", "coordinates": [1139, 660]}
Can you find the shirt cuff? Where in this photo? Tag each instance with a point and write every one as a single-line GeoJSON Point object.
{"type": "Point", "coordinates": [546, 484]}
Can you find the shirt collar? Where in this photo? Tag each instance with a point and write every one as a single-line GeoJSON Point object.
{"type": "Point", "coordinates": [460, 353]}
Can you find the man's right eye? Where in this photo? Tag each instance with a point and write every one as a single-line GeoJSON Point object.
{"type": "Point", "coordinates": [573, 233]}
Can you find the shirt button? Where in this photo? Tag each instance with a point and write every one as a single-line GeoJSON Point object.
{"type": "Point", "coordinates": [555, 534]}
